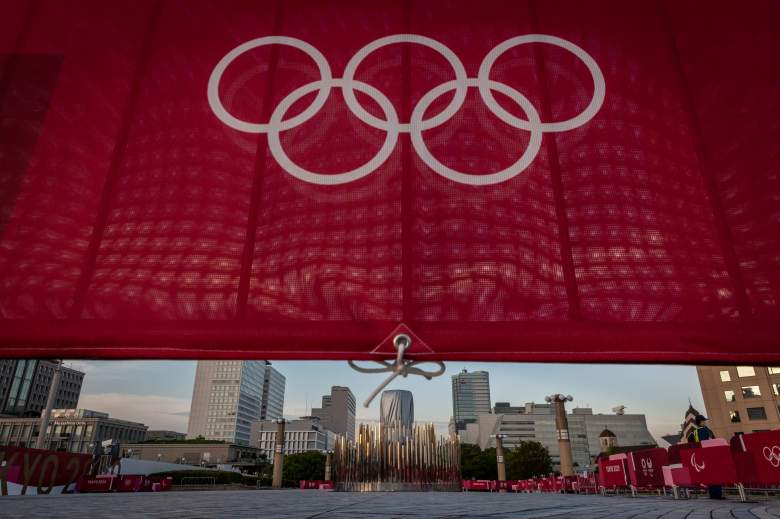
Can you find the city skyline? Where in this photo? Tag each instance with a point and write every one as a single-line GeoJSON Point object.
{"type": "Point", "coordinates": [158, 393]}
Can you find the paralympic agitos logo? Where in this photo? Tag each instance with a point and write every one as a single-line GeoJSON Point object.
{"type": "Point", "coordinates": [418, 123]}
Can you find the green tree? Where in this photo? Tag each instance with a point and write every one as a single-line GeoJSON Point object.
{"type": "Point", "coordinates": [527, 460]}
{"type": "Point", "coordinates": [305, 465]}
{"type": "Point", "coordinates": [476, 463]}
{"type": "Point", "coordinates": [470, 460]}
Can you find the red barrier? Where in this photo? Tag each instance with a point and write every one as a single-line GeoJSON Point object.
{"type": "Point", "coordinates": [677, 476]}
{"type": "Point", "coordinates": [587, 484]}
{"type": "Point", "coordinates": [477, 485]}
{"type": "Point", "coordinates": [501, 485]}
{"type": "Point", "coordinates": [644, 467]}
{"type": "Point", "coordinates": [42, 469]}
{"type": "Point", "coordinates": [134, 483]}
{"type": "Point", "coordinates": [710, 464]}
{"type": "Point", "coordinates": [613, 472]}
{"type": "Point", "coordinates": [96, 484]}
{"type": "Point", "coordinates": [758, 458]}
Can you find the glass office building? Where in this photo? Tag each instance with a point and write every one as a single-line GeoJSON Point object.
{"type": "Point", "coordinates": [229, 395]}
{"type": "Point", "coordinates": [470, 397]}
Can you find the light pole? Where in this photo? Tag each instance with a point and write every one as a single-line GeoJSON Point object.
{"type": "Point", "coordinates": [328, 464]}
{"type": "Point", "coordinates": [278, 454]}
{"type": "Point", "coordinates": [562, 428]}
{"type": "Point", "coordinates": [40, 443]}
{"type": "Point", "coordinates": [500, 458]}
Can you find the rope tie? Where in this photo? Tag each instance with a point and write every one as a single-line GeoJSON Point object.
{"type": "Point", "coordinates": [398, 367]}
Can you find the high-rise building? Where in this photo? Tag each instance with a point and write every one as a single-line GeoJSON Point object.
{"type": "Point", "coordinates": [740, 399]}
{"type": "Point", "coordinates": [536, 422]}
{"type": "Point", "coordinates": [24, 387]}
{"type": "Point", "coordinates": [396, 409]}
{"type": "Point", "coordinates": [470, 397]}
{"type": "Point", "coordinates": [229, 395]}
{"type": "Point", "coordinates": [337, 413]}
{"type": "Point", "coordinates": [272, 405]}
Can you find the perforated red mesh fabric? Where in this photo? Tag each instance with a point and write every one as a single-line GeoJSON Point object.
{"type": "Point", "coordinates": [538, 181]}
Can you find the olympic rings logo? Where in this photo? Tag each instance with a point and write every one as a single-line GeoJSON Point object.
{"type": "Point", "coordinates": [417, 123]}
{"type": "Point", "coordinates": [772, 455]}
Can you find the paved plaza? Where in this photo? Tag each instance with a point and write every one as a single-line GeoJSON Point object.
{"type": "Point", "coordinates": [304, 504]}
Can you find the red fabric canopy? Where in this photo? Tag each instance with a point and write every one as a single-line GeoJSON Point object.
{"type": "Point", "coordinates": [537, 181]}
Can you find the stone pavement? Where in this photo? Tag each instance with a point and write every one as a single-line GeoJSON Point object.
{"type": "Point", "coordinates": [311, 504]}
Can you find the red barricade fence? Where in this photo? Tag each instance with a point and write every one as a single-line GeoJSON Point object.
{"type": "Point", "coordinates": [130, 483]}
{"type": "Point", "coordinates": [757, 457]}
{"type": "Point", "coordinates": [645, 467]}
{"type": "Point", "coordinates": [315, 484]}
{"type": "Point", "coordinates": [96, 484]}
{"type": "Point", "coordinates": [484, 485]}
{"type": "Point", "coordinates": [750, 460]}
{"type": "Point", "coordinates": [613, 472]}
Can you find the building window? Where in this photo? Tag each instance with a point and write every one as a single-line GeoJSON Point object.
{"type": "Point", "coordinates": [774, 371]}
{"type": "Point", "coordinates": [756, 413]}
{"type": "Point", "coordinates": [750, 391]}
{"type": "Point", "coordinates": [734, 416]}
{"type": "Point", "coordinates": [730, 396]}
{"type": "Point", "coordinates": [776, 388]}
{"type": "Point", "coordinates": [746, 371]}
{"type": "Point", "coordinates": [725, 376]}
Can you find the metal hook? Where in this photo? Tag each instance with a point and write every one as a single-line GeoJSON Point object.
{"type": "Point", "coordinates": [400, 366]}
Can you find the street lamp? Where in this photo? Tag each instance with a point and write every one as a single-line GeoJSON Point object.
{"type": "Point", "coordinates": [562, 429]}
{"type": "Point", "coordinates": [500, 457]}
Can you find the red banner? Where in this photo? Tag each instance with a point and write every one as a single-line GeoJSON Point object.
{"type": "Point", "coordinates": [41, 470]}
{"type": "Point", "coordinates": [522, 180]}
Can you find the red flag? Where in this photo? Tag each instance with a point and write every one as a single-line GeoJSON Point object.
{"type": "Point", "coordinates": [530, 181]}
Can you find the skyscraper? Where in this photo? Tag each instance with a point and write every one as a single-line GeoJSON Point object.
{"type": "Point", "coordinates": [397, 408]}
{"type": "Point", "coordinates": [229, 395]}
{"type": "Point", "coordinates": [24, 387]}
{"type": "Point", "coordinates": [272, 405]}
{"type": "Point", "coordinates": [337, 413]}
{"type": "Point", "coordinates": [470, 397]}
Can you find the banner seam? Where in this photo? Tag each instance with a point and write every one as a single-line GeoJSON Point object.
{"type": "Point", "coordinates": [115, 165]}
{"type": "Point", "coordinates": [567, 258]}
{"type": "Point", "coordinates": [259, 169]}
{"type": "Point", "coordinates": [705, 166]}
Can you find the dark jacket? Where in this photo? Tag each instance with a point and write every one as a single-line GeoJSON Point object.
{"type": "Point", "coordinates": [700, 434]}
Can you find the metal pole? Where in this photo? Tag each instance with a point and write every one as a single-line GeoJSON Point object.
{"type": "Point", "coordinates": [278, 454]}
{"type": "Point", "coordinates": [500, 459]}
{"type": "Point", "coordinates": [46, 416]}
{"type": "Point", "coordinates": [562, 430]}
{"type": "Point", "coordinates": [328, 463]}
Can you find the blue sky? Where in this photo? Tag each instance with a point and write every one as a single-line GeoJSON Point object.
{"type": "Point", "coordinates": [158, 393]}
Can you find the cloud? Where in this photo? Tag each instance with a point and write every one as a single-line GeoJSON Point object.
{"type": "Point", "coordinates": [156, 411]}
